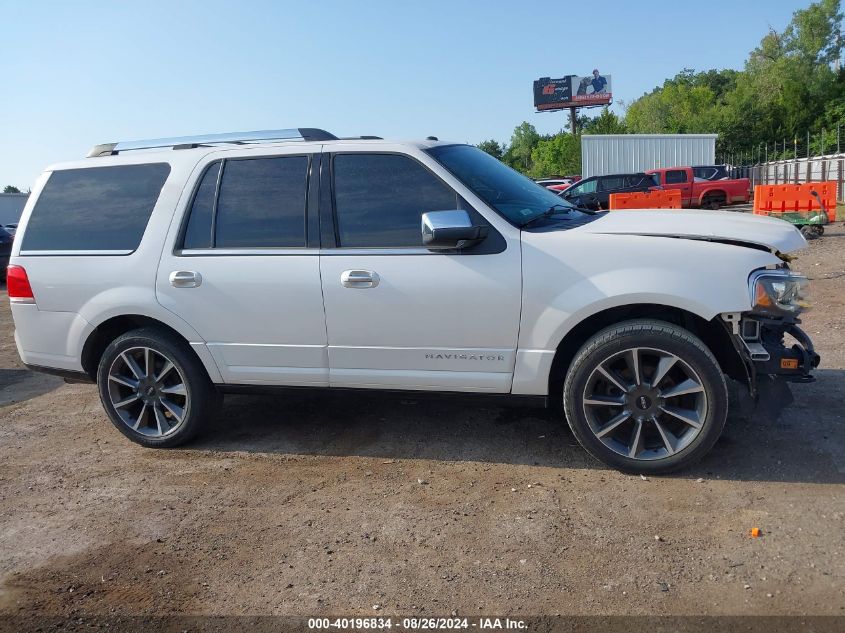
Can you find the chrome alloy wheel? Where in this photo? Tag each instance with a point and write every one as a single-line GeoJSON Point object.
{"type": "Point", "coordinates": [645, 403]}
{"type": "Point", "coordinates": [148, 391]}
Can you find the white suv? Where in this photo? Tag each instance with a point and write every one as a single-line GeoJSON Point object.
{"type": "Point", "coordinates": [171, 271]}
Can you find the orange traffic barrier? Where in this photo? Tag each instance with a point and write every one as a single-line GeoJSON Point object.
{"type": "Point", "coordinates": [662, 199]}
{"type": "Point", "coordinates": [778, 199]}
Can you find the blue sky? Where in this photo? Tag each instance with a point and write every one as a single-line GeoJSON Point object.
{"type": "Point", "coordinates": [77, 74]}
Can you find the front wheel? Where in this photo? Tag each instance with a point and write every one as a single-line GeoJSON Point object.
{"type": "Point", "coordinates": [154, 388]}
{"type": "Point", "coordinates": [645, 396]}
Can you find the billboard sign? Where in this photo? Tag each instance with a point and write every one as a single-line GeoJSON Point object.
{"type": "Point", "coordinates": [591, 90]}
{"type": "Point", "coordinates": [552, 94]}
{"type": "Point", "coordinates": [572, 91]}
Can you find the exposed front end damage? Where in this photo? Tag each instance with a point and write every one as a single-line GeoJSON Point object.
{"type": "Point", "coordinates": [768, 339]}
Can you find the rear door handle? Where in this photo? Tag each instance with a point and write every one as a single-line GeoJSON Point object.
{"type": "Point", "coordinates": [185, 279]}
{"type": "Point", "coordinates": [359, 279]}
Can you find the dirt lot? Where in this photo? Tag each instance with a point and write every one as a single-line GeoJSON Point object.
{"type": "Point", "coordinates": [335, 505]}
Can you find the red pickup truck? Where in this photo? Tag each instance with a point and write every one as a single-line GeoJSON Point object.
{"type": "Point", "coordinates": [709, 194]}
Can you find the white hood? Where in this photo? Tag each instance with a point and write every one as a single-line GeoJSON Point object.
{"type": "Point", "coordinates": [772, 233]}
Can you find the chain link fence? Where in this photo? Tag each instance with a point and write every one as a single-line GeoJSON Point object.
{"type": "Point", "coordinates": [796, 172]}
{"type": "Point", "coordinates": [824, 142]}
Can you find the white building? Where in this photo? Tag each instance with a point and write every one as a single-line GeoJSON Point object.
{"type": "Point", "coordinates": [11, 205]}
{"type": "Point", "coordinates": [630, 153]}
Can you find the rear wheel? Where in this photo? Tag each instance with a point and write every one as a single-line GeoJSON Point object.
{"type": "Point", "coordinates": [645, 397]}
{"type": "Point", "coordinates": [154, 389]}
{"type": "Point", "coordinates": [713, 202]}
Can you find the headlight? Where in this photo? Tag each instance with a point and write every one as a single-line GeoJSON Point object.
{"type": "Point", "coordinates": [778, 295]}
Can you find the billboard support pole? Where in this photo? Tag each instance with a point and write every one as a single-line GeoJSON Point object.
{"type": "Point", "coordinates": [573, 120]}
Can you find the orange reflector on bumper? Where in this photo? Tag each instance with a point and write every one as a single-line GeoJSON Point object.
{"type": "Point", "coordinates": [788, 363]}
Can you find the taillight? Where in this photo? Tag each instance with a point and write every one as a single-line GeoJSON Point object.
{"type": "Point", "coordinates": [17, 283]}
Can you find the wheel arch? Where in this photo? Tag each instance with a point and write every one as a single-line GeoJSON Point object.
{"type": "Point", "coordinates": [712, 333]}
{"type": "Point", "coordinates": [111, 328]}
{"type": "Point", "coordinates": [710, 193]}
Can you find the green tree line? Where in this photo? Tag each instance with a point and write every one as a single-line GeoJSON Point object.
{"type": "Point", "coordinates": [792, 84]}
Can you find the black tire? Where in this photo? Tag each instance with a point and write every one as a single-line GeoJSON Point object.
{"type": "Point", "coordinates": [649, 337]}
{"type": "Point", "coordinates": [197, 406]}
{"type": "Point", "coordinates": [809, 232]}
{"type": "Point", "coordinates": [713, 202]}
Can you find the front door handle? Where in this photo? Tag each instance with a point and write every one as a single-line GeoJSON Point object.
{"type": "Point", "coordinates": [359, 279]}
{"type": "Point", "coordinates": [185, 279]}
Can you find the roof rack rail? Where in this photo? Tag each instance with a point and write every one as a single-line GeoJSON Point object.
{"type": "Point", "coordinates": [233, 138]}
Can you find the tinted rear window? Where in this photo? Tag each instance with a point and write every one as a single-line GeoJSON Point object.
{"type": "Point", "coordinates": [609, 183]}
{"type": "Point", "coordinates": [95, 209]}
{"type": "Point", "coordinates": [198, 232]}
{"type": "Point", "coordinates": [262, 202]}
{"type": "Point", "coordinates": [641, 180]}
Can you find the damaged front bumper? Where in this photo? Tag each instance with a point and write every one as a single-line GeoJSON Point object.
{"type": "Point", "coordinates": [794, 363]}
{"type": "Point", "coordinates": [762, 344]}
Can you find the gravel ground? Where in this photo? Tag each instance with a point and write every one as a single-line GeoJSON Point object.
{"type": "Point", "coordinates": [337, 505]}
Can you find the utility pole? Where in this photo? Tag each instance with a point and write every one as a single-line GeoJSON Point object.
{"type": "Point", "coordinates": [808, 144]}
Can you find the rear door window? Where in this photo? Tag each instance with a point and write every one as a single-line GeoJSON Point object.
{"type": "Point", "coordinates": [198, 232]}
{"type": "Point", "coordinates": [587, 186]}
{"type": "Point", "coordinates": [262, 203]}
{"type": "Point", "coordinates": [95, 208]}
{"type": "Point", "coordinates": [249, 203]}
{"type": "Point", "coordinates": [640, 180]}
{"type": "Point", "coordinates": [611, 183]}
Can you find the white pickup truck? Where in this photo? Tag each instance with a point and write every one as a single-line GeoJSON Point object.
{"type": "Point", "coordinates": [172, 271]}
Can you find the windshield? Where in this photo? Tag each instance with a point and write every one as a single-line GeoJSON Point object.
{"type": "Point", "coordinates": [516, 197]}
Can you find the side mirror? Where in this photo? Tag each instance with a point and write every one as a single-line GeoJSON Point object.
{"type": "Point", "coordinates": [450, 230]}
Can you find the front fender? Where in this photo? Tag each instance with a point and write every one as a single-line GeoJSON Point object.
{"type": "Point", "coordinates": [569, 276]}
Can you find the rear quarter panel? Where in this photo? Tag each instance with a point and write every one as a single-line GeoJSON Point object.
{"type": "Point", "coordinates": [735, 190]}
{"type": "Point", "coordinates": [74, 293]}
